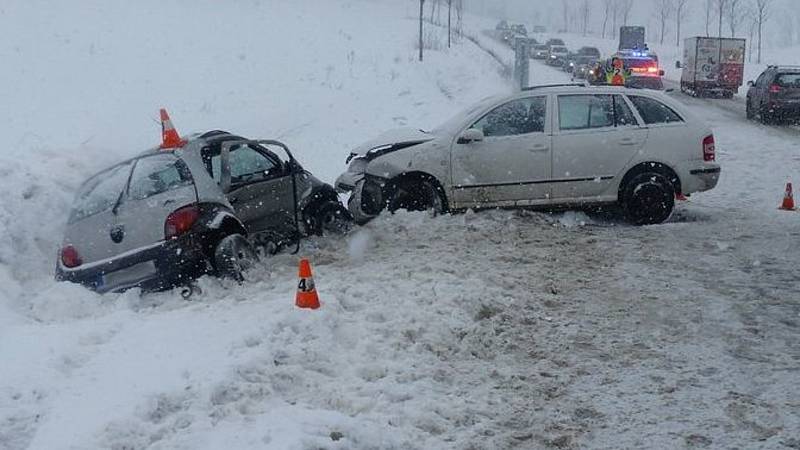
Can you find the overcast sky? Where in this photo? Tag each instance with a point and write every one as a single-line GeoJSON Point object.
{"type": "Point", "coordinates": [784, 23]}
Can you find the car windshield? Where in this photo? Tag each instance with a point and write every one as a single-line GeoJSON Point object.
{"type": "Point", "coordinates": [101, 192]}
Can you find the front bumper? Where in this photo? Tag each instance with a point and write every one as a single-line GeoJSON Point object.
{"type": "Point", "coordinates": [367, 195]}
{"type": "Point", "coordinates": [161, 266]}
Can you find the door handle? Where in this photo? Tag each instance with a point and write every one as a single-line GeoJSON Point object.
{"type": "Point", "coordinates": [539, 148]}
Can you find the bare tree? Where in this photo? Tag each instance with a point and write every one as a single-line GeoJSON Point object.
{"type": "Point", "coordinates": [421, 12]}
{"type": "Point", "coordinates": [460, 18]}
{"type": "Point", "coordinates": [586, 11]}
{"type": "Point", "coordinates": [735, 15]}
{"type": "Point", "coordinates": [625, 9]}
{"type": "Point", "coordinates": [565, 5]}
{"type": "Point", "coordinates": [720, 5]}
{"type": "Point", "coordinates": [663, 12]}
{"type": "Point", "coordinates": [681, 8]}
{"type": "Point", "coordinates": [449, 22]}
{"type": "Point", "coordinates": [614, 16]}
{"type": "Point", "coordinates": [709, 9]}
{"type": "Point", "coordinates": [762, 15]}
{"type": "Point", "coordinates": [607, 7]}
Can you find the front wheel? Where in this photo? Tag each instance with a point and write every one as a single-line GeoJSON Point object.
{"type": "Point", "coordinates": [750, 114]}
{"type": "Point", "coordinates": [417, 195]}
{"type": "Point", "coordinates": [328, 217]}
{"type": "Point", "coordinates": [233, 256]}
{"type": "Point", "coordinates": [648, 198]}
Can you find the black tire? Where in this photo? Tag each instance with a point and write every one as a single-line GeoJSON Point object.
{"type": "Point", "coordinates": [766, 117]}
{"type": "Point", "coordinates": [648, 199]}
{"type": "Point", "coordinates": [417, 195]}
{"type": "Point", "coordinates": [750, 114]}
{"type": "Point", "coordinates": [233, 256]}
{"type": "Point", "coordinates": [329, 217]}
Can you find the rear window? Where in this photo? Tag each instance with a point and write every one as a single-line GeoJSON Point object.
{"type": "Point", "coordinates": [100, 192]}
{"type": "Point", "coordinates": [653, 111]}
{"type": "Point", "coordinates": [788, 80]}
{"type": "Point", "coordinates": [155, 175]}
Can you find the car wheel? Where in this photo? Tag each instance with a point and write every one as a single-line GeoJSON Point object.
{"type": "Point", "coordinates": [648, 198]}
{"type": "Point", "coordinates": [328, 217]}
{"type": "Point", "coordinates": [233, 256]}
{"type": "Point", "coordinates": [766, 117]}
{"type": "Point", "coordinates": [749, 109]}
{"type": "Point", "coordinates": [417, 195]}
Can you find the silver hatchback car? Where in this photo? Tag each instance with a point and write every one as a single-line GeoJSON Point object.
{"type": "Point", "coordinates": [166, 217]}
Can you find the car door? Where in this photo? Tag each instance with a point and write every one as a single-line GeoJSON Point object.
{"type": "Point", "coordinates": [260, 187]}
{"type": "Point", "coordinates": [511, 166]}
{"type": "Point", "coordinates": [594, 138]}
{"type": "Point", "coordinates": [757, 96]}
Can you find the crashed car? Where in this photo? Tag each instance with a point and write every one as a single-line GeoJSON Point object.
{"type": "Point", "coordinates": [208, 204]}
{"type": "Point", "coordinates": [546, 147]}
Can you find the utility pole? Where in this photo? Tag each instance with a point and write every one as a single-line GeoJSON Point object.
{"type": "Point", "coordinates": [421, 12]}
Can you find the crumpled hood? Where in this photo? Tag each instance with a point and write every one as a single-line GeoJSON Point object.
{"type": "Point", "coordinates": [393, 140]}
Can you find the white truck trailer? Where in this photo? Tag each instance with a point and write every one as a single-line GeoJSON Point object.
{"type": "Point", "coordinates": [712, 66]}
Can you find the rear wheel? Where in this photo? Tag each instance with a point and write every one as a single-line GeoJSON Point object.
{"type": "Point", "coordinates": [233, 256]}
{"type": "Point", "coordinates": [750, 114]}
{"type": "Point", "coordinates": [648, 198]}
{"type": "Point", "coordinates": [417, 195]}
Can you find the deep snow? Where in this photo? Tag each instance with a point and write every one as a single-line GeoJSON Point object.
{"type": "Point", "coordinates": [482, 330]}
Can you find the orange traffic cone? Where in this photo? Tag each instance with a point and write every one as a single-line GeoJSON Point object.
{"type": "Point", "coordinates": [306, 290]}
{"type": "Point", "coordinates": [788, 199]}
{"type": "Point", "coordinates": [170, 138]}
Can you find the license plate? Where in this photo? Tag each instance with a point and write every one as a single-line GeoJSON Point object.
{"type": "Point", "coordinates": [130, 275]}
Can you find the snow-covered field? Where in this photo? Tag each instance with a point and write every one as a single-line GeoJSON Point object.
{"type": "Point", "coordinates": [490, 330]}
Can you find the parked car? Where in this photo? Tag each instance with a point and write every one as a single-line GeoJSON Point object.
{"type": "Point", "coordinates": [775, 95]}
{"type": "Point", "coordinates": [555, 41]}
{"type": "Point", "coordinates": [540, 51]}
{"type": "Point", "coordinates": [557, 55]}
{"type": "Point", "coordinates": [165, 217]}
{"type": "Point", "coordinates": [548, 146]}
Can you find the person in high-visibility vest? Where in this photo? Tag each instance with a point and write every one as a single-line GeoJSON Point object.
{"type": "Point", "coordinates": [616, 74]}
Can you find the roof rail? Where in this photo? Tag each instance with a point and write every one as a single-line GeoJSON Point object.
{"type": "Point", "coordinates": [531, 88]}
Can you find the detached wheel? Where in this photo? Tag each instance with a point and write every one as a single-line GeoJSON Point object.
{"type": "Point", "coordinates": [329, 217]}
{"type": "Point", "coordinates": [233, 256]}
{"type": "Point", "coordinates": [417, 195]}
{"type": "Point", "coordinates": [648, 198]}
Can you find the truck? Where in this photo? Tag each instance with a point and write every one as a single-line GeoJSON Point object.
{"type": "Point", "coordinates": [631, 38]}
{"type": "Point", "coordinates": [712, 66]}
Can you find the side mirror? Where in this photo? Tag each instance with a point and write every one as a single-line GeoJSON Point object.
{"type": "Point", "coordinates": [661, 73]}
{"type": "Point", "coordinates": [751, 83]}
{"type": "Point", "coordinates": [470, 136]}
{"type": "Point", "coordinates": [678, 65]}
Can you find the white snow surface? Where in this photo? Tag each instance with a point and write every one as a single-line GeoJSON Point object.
{"type": "Point", "coordinates": [481, 330]}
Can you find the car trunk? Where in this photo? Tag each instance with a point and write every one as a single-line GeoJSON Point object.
{"type": "Point", "coordinates": [159, 185]}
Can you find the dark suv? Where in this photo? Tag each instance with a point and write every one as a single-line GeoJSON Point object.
{"type": "Point", "coordinates": [775, 95]}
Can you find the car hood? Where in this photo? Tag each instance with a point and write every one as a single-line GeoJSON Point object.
{"type": "Point", "coordinates": [392, 140]}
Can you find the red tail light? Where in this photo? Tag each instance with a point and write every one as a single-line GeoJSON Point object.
{"type": "Point", "coordinates": [180, 221]}
{"type": "Point", "coordinates": [775, 89]}
{"type": "Point", "coordinates": [70, 257]}
{"type": "Point", "coordinates": [709, 149]}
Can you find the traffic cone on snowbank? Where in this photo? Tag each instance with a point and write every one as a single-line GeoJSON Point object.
{"type": "Point", "coordinates": [788, 199]}
{"type": "Point", "coordinates": [170, 139]}
{"type": "Point", "coordinates": [307, 297]}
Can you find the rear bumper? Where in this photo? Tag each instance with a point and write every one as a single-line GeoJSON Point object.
{"type": "Point", "coordinates": [701, 179]}
{"type": "Point", "coordinates": [162, 266]}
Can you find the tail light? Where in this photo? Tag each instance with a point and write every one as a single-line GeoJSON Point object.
{"type": "Point", "coordinates": [180, 221]}
{"type": "Point", "coordinates": [774, 89]}
{"type": "Point", "coordinates": [70, 257]}
{"type": "Point", "coordinates": [709, 149]}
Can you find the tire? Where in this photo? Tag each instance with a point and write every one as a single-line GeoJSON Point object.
{"type": "Point", "coordinates": [648, 199]}
{"type": "Point", "coordinates": [750, 114]}
{"type": "Point", "coordinates": [417, 195]}
{"type": "Point", "coordinates": [329, 217]}
{"type": "Point", "coordinates": [233, 256]}
{"type": "Point", "coordinates": [766, 117]}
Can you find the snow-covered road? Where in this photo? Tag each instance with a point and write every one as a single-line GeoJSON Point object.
{"type": "Point", "coordinates": [482, 330]}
